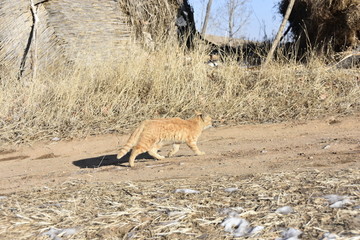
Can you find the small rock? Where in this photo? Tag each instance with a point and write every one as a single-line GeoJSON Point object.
{"type": "Point", "coordinates": [326, 147]}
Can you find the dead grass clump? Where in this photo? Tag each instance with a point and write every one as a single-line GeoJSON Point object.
{"type": "Point", "coordinates": [84, 99]}
{"type": "Point", "coordinates": [152, 210]}
{"type": "Point", "coordinates": [154, 19]}
{"type": "Point", "coordinates": [326, 24]}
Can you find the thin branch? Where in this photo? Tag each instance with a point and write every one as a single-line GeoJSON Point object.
{"type": "Point", "coordinates": [279, 33]}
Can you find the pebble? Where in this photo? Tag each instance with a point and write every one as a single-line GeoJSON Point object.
{"type": "Point", "coordinates": [326, 147]}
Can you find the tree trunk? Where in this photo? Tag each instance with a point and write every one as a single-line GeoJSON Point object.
{"type": "Point", "coordinates": [279, 33]}
{"type": "Point", "coordinates": [206, 19]}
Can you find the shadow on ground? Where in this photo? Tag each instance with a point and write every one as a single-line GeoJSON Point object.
{"type": "Point", "coordinates": [107, 160]}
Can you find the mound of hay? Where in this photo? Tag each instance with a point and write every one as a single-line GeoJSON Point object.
{"type": "Point", "coordinates": [325, 24]}
{"type": "Point", "coordinates": [53, 35]}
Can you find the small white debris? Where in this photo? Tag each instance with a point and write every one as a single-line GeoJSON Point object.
{"type": "Point", "coordinates": [326, 147]}
{"type": "Point", "coordinates": [55, 139]}
{"type": "Point", "coordinates": [231, 189]}
{"type": "Point", "coordinates": [341, 204]}
{"type": "Point", "coordinates": [285, 210]}
{"type": "Point", "coordinates": [240, 227]}
{"type": "Point", "coordinates": [290, 234]}
{"type": "Point", "coordinates": [175, 213]}
{"type": "Point", "coordinates": [3, 197]}
{"type": "Point", "coordinates": [337, 201]}
{"type": "Point", "coordinates": [329, 236]}
{"type": "Point", "coordinates": [333, 198]}
{"type": "Point", "coordinates": [232, 222]}
{"type": "Point", "coordinates": [186, 191]}
{"type": "Point", "coordinates": [256, 230]}
{"type": "Point", "coordinates": [231, 212]}
{"type": "Point", "coordinates": [56, 234]}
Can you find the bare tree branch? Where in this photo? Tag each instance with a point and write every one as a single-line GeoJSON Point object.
{"type": "Point", "coordinates": [207, 15]}
{"type": "Point", "coordinates": [279, 33]}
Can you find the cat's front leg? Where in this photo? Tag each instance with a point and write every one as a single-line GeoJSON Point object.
{"type": "Point", "coordinates": [194, 147]}
{"type": "Point", "coordinates": [176, 147]}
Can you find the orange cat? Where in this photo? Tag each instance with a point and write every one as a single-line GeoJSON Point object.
{"type": "Point", "coordinates": [152, 134]}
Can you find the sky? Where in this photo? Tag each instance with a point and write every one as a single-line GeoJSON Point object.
{"type": "Point", "coordinates": [263, 18]}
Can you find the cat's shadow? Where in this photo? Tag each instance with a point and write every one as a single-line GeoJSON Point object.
{"type": "Point", "coordinates": [108, 160]}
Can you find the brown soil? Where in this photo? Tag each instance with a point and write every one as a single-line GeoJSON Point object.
{"type": "Point", "coordinates": [230, 151]}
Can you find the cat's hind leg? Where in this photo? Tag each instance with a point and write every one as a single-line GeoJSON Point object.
{"type": "Point", "coordinates": [135, 151]}
{"type": "Point", "coordinates": [154, 152]}
{"type": "Point", "coordinates": [176, 147]}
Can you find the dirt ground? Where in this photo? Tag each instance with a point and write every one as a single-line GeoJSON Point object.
{"type": "Point", "coordinates": [331, 143]}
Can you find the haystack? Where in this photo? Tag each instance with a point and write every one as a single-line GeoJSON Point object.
{"type": "Point", "coordinates": [325, 24]}
{"type": "Point", "coordinates": [49, 35]}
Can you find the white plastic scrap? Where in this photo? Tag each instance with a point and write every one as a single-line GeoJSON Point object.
{"type": "Point", "coordinates": [56, 234]}
{"type": "Point", "coordinates": [231, 222]}
{"type": "Point", "coordinates": [231, 189]}
{"type": "Point", "coordinates": [337, 201]}
{"type": "Point", "coordinates": [240, 227]}
{"type": "Point", "coordinates": [290, 234]}
{"type": "Point", "coordinates": [329, 236]}
{"type": "Point", "coordinates": [285, 210]}
{"type": "Point", "coordinates": [231, 212]}
{"type": "Point", "coordinates": [186, 191]}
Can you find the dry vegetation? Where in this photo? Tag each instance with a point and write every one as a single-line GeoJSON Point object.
{"type": "Point", "coordinates": [152, 210]}
{"type": "Point", "coordinates": [112, 98]}
{"type": "Point", "coordinates": [325, 25]}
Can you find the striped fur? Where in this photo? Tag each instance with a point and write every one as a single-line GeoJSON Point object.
{"type": "Point", "coordinates": [152, 134]}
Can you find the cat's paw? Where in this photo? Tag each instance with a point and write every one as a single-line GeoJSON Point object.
{"type": "Point", "coordinates": [200, 153]}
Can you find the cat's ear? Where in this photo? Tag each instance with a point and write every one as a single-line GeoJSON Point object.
{"type": "Point", "coordinates": [199, 114]}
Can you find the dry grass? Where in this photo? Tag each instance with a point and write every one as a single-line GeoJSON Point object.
{"type": "Point", "coordinates": [114, 97]}
{"type": "Point", "coordinates": [152, 210]}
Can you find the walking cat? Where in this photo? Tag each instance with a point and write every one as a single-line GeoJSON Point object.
{"type": "Point", "coordinates": [152, 134]}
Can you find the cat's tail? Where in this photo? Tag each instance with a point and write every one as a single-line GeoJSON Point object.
{"type": "Point", "coordinates": [133, 139]}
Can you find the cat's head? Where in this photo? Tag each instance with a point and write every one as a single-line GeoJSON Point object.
{"type": "Point", "coordinates": [205, 119]}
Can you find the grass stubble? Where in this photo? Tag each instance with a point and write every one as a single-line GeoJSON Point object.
{"type": "Point", "coordinates": [153, 210]}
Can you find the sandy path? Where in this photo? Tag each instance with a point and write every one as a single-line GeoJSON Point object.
{"type": "Point", "coordinates": [236, 150]}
